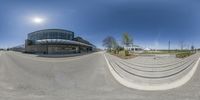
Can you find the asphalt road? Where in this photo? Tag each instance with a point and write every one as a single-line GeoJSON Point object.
{"type": "Point", "coordinates": [27, 77]}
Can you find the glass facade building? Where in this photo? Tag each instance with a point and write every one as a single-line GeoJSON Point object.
{"type": "Point", "coordinates": [56, 41]}
{"type": "Point", "coordinates": [51, 34]}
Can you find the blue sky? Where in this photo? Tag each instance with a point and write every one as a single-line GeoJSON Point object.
{"type": "Point", "coordinates": [152, 23]}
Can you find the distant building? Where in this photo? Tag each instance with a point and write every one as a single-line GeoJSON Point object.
{"type": "Point", "coordinates": [20, 48]}
{"type": "Point", "coordinates": [134, 48]}
{"type": "Point", "coordinates": [147, 49]}
{"type": "Point", "coordinates": [56, 41]}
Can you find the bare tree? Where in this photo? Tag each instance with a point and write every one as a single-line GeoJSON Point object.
{"type": "Point", "coordinates": [110, 43]}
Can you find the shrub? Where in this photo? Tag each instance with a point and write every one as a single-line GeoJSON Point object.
{"type": "Point", "coordinates": [113, 51]}
{"type": "Point", "coordinates": [183, 55]}
{"type": "Point", "coordinates": [124, 53]}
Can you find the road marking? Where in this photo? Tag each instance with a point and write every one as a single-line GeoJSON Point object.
{"type": "Point", "coordinates": [150, 87]}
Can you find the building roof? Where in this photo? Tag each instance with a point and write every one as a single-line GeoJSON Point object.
{"type": "Point", "coordinates": [51, 29]}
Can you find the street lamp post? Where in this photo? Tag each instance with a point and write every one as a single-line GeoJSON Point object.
{"type": "Point", "coordinates": [47, 47]}
{"type": "Point", "coordinates": [169, 46]}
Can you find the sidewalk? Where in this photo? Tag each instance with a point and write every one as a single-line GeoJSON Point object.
{"type": "Point", "coordinates": [62, 55]}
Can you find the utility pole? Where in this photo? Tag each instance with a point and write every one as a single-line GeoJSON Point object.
{"type": "Point", "coordinates": [181, 43]}
{"type": "Point", "coordinates": [169, 46]}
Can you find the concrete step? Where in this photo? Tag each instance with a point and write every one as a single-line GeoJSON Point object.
{"type": "Point", "coordinates": [152, 76]}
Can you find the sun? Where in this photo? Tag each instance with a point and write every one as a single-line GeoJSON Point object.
{"type": "Point", "coordinates": [38, 20]}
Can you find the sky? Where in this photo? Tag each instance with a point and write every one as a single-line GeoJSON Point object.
{"type": "Point", "coordinates": [151, 23]}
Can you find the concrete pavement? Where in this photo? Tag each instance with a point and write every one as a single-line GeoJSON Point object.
{"type": "Point", "coordinates": [154, 76]}
{"type": "Point", "coordinates": [27, 77]}
{"type": "Point", "coordinates": [1, 53]}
